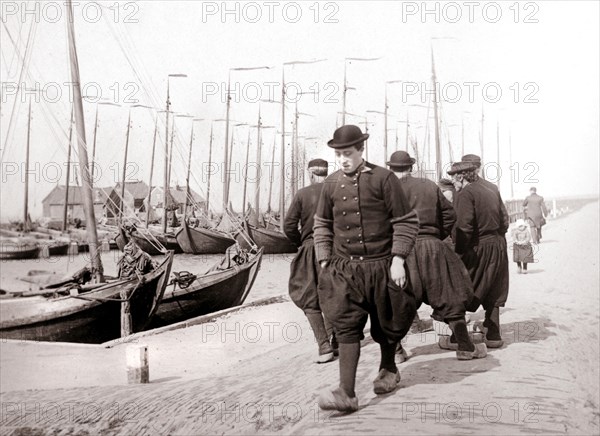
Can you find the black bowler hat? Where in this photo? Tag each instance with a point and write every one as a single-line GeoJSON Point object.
{"type": "Point", "coordinates": [400, 159]}
{"type": "Point", "coordinates": [347, 136]}
{"type": "Point", "coordinates": [461, 167]}
{"type": "Point", "coordinates": [472, 158]}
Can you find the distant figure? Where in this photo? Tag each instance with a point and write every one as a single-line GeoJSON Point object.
{"type": "Point", "coordinates": [522, 249]}
{"type": "Point", "coordinates": [305, 268]}
{"type": "Point", "coordinates": [173, 221]}
{"type": "Point", "coordinates": [134, 261]}
{"type": "Point", "coordinates": [535, 210]}
{"type": "Point", "coordinates": [77, 223]}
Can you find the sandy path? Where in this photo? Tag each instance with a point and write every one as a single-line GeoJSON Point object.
{"type": "Point", "coordinates": [258, 377]}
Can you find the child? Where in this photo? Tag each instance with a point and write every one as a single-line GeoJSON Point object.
{"type": "Point", "coordinates": [522, 249]}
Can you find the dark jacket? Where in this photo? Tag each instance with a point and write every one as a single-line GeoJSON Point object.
{"type": "Point", "coordinates": [480, 211]}
{"type": "Point", "coordinates": [302, 211]}
{"type": "Point", "coordinates": [364, 215]}
{"type": "Point", "coordinates": [436, 214]}
{"type": "Point", "coordinates": [535, 208]}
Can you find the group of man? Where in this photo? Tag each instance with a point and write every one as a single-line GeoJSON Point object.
{"type": "Point", "coordinates": [376, 244]}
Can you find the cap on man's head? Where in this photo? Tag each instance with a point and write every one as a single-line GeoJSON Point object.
{"type": "Point", "coordinates": [318, 167]}
{"type": "Point", "coordinates": [446, 185]}
{"type": "Point", "coordinates": [472, 158]}
{"type": "Point", "coordinates": [533, 189]}
{"type": "Point", "coordinates": [347, 136]}
{"type": "Point", "coordinates": [400, 159]}
{"type": "Point", "coordinates": [461, 167]}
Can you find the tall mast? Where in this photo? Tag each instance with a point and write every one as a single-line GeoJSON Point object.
{"type": "Point", "coordinates": [66, 207]}
{"type": "Point", "coordinates": [246, 171]}
{"type": "Point", "coordinates": [171, 152]}
{"type": "Point", "coordinates": [438, 152]}
{"type": "Point", "coordinates": [282, 162]}
{"type": "Point", "coordinates": [149, 203]}
{"type": "Point", "coordinates": [209, 171]}
{"type": "Point", "coordinates": [124, 173]}
{"type": "Point", "coordinates": [226, 148]}
{"type": "Point", "coordinates": [166, 166]}
{"type": "Point", "coordinates": [94, 144]}
{"type": "Point", "coordinates": [294, 156]}
{"type": "Point", "coordinates": [258, 161]}
{"type": "Point", "coordinates": [187, 178]}
{"type": "Point", "coordinates": [90, 225]}
{"type": "Point", "coordinates": [26, 199]}
{"type": "Point", "coordinates": [271, 174]}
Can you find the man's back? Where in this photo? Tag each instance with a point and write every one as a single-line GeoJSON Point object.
{"type": "Point", "coordinates": [302, 211]}
{"type": "Point", "coordinates": [436, 214]}
{"type": "Point", "coordinates": [479, 211]}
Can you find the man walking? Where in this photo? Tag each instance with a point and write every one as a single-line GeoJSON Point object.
{"type": "Point", "coordinates": [304, 272]}
{"type": "Point", "coordinates": [535, 210]}
{"type": "Point", "coordinates": [364, 230]}
{"type": "Point", "coordinates": [437, 275]}
{"type": "Point", "coordinates": [481, 225]}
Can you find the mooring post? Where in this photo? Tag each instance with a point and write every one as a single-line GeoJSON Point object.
{"type": "Point", "coordinates": [137, 364]}
{"type": "Point", "coordinates": [125, 313]}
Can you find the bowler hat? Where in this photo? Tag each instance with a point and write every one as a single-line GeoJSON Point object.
{"type": "Point", "coordinates": [472, 158]}
{"type": "Point", "coordinates": [400, 159]}
{"type": "Point", "coordinates": [461, 167]}
{"type": "Point", "coordinates": [347, 136]}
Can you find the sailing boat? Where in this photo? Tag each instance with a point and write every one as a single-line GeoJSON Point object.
{"type": "Point", "coordinates": [27, 244]}
{"type": "Point", "coordinates": [84, 307]}
{"type": "Point", "coordinates": [197, 240]}
{"type": "Point", "coordinates": [272, 241]}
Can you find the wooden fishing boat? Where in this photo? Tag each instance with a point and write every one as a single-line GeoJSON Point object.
{"type": "Point", "coordinates": [151, 242]}
{"type": "Point", "coordinates": [52, 247]}
{"type": "Point", "coordinates": [225, 285]}
{"type": "Point", "coordinates": [197, 240]}
{"type": "Point", "coordinates": [272, 241]}
{"type": "Point", "coordinates": [83, 313]}
{"type": "Point", "coordinates": [18, 248]}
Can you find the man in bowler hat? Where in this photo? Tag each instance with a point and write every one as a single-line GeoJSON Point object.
{"type": "Point", "coordinates": [437, 275]}
{"type": "Point", "coordinates": [364, 230]}
{"type": "Point", "coordinates": [479, 237]}
{"type": "Point", "coordinates": [304, 270]}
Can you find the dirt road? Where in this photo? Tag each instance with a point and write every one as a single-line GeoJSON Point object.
{"type": "Point", "coordinates": [251, 372]}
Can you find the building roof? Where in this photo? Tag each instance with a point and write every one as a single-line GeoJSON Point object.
{"type": "Point", "coordinates": [57, 195]}
{"type": "Point", "coordinates": [177, 195]}
{"type": "Point", "coordinates": [137, 189]}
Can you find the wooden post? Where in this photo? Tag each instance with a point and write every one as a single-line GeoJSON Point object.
{"type": "Point", "coordinates": [125, 313]}
{"type": "Point", "coordinates": [137, 364]}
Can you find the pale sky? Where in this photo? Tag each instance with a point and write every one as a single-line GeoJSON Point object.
{"type": "Point", "coordinates": [545, 65]}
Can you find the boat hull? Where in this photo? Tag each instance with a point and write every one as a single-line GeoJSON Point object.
{"type": "Point", "coordinates": [272, 241]}
{"type": "Point", "coordinates": [214, 291]}
{"type": "Point", "coordinates": [202, 241]}
{"type": "Point", "coordinates": [93, 316]}
{"type": "Point", "coordinates": [150, 246]}
{"type": "Point", "coordinates": [16, 250]}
